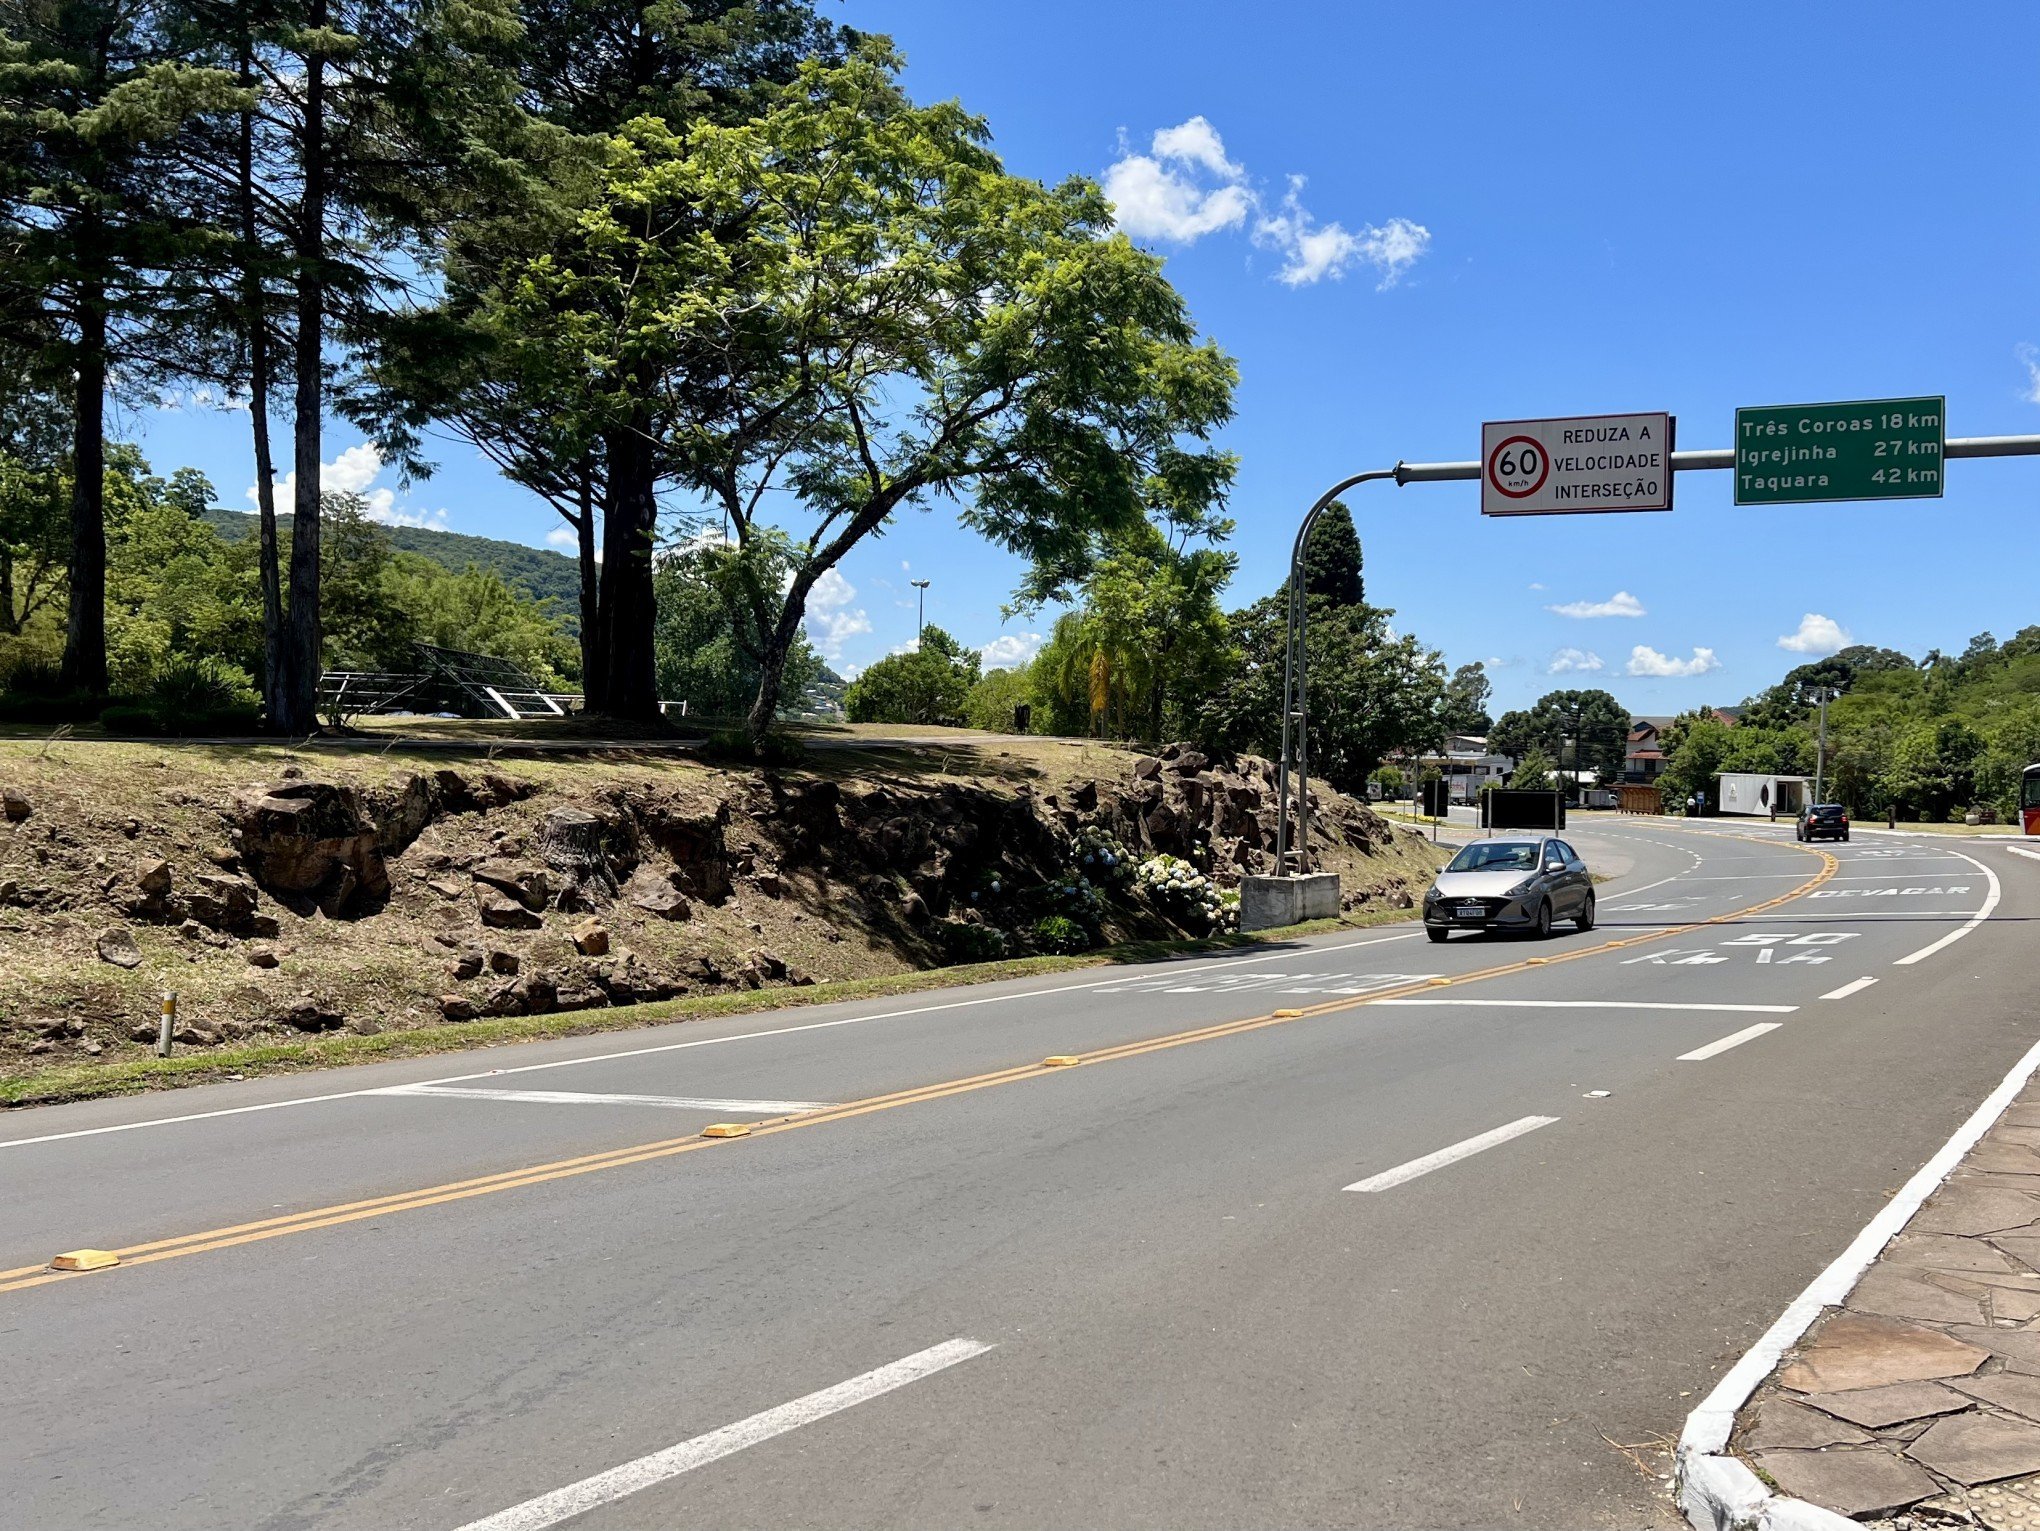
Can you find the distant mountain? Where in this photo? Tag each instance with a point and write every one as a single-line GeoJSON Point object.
{"type": "Point", "coordinates": [538, 572]}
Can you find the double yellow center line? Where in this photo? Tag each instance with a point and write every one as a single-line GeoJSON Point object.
{"type": "Point", "coordinates": [565, 1169]}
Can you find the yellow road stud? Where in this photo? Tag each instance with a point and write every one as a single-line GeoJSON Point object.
{"type": "Point", "coordinates": [1439, 983]}
{"type": "Point", "coordinates": [1537, 962]}
{"type": "Point", "coordinates": [727, 1130]}
{"type": "Point", "coordinates": [85, 1260]}
{"type": "Point", "coordinates": [1061, 1061]}
{"type": "Point", "coordinates": [1287, 1015]}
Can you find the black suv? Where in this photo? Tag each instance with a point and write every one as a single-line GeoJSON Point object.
{"type": "Point", "coordinates": [1824, 821]}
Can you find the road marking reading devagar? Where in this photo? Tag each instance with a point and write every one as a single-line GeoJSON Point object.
{"type": "Point", "coordinates": [1402, 1174]}
{"type": "Point", "coordinates": [1990, 902]}
{"type": "Point", "coordinates": [1733, 1039]}
{"type": "Point", "coordinates": [660, 1466]}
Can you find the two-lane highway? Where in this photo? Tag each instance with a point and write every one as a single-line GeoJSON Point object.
{"type": "Point", "coordinates": [1363, 1230]}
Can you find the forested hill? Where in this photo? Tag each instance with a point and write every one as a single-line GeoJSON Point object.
{"type": "Point", "coordinates": [538, 572]}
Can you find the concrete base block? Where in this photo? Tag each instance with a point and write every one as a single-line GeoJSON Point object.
{"type": "Point", "coordinates": [1268, 903]}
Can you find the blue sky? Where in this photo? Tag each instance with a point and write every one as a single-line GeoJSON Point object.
{"type": "Point", "coordinates": [1509, 211]}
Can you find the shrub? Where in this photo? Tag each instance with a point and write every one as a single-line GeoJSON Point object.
{"type": "Point", "coordinates": [733, 746]}
{"type": "Point", "coordinates": [130, 718]}
{"type": "Point", "coordinates": [1060, 936]}
{"type": "Point", "coordinates": [1101, 858]}
{"type": "Point", "coordinates": [1076, 898]}
{"type": "Point", "coordinates": [1178, 889]}
{"type": "Point", "coordinates": [967, 941]}
{"type": "Point", "coordinates": [202, 694]}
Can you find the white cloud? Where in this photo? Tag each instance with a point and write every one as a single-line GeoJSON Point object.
{"type": "Point", "coordinates": [1644, 660]}
{"type": "Point", "coordinates": [831, 619]}
{"type": "Point", "coordinates": [563, 537]}
{"type": "Point", "coordinates": [1817, 635]}
{"type": "Point", "coordinates": [2030, 356]}
{"type": "Point", "coordinates": [1620, 604]}
{"type": "Point", "coordinates": [355, 471]}
{"type": "Point", "coordinates": [1314, 251]}
{"type": "Point", "coordinates": [1162, 195]}
{"type": "Point", "coordinates": [1536, 585]}
{"type": "Point", "coordinates": [1187, 186]}
{"type": "Point", "coordinates": [1571, 661]}
{"type": "Point", "coordinates": [1010, 650]}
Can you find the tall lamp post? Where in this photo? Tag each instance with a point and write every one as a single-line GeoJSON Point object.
{"type": "Point", "coordinates": [1820, 754]}
{"type": "Point", "coordinates": [921, 615]}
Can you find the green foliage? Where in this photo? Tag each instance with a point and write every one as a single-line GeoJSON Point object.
{"type": "Point", "coordinates": [1464, 707]}
{"type": "Point", "coordinates": [190, 695]}
{"type": "Point", "coordinates": [1588, 730]}
{"type": "Point", "coordinates": [1332, 559]}
{"type": "Point", "coordinates": [1060, 937]}
{"type": "Point", "coordinates": [1392, 781]}
{"type": "Point", "coordinates": [968, 941]}
{"type": "Point", "coordinates": [367, 626]}
{"type": "Point", "coordinates": [1372, 692]}
{"type": "Point", "coordinates": [1147, 644]}
{"type": "Point", "coordinates": [705, 643]}
{"type": "Point", "coordinates": [997, 693]}
{"type": "Point", "coordinates": [734, 746]}
{"type": "Point", "coordinates": [1533, 771]}
{"type": "Point", "coordinates": [475, 610]}
{"type": "Point", "coordinates": [929, 684]}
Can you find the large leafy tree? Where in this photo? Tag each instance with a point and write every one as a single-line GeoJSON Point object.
{"type": "Point", "coordinates": [35, 492]}
{"type": "Point", "coordinates": [704, 645]}
{"type": "Point", "coordinates": [1585, 730]}
{"type": "Point", "coordinates": [847, 309]}
{"type": "Point", "coordinates": [90, 100]}
{"type": "Point", "coordinates": [586, 68]}
{"type": "Point", "coordinates": [1464, 709]}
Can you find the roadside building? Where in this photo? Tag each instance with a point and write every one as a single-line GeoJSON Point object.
{"type": "Point", "coordinates": [1466, 763]}
{"type": "Point", "coordinates": [1761, 793]}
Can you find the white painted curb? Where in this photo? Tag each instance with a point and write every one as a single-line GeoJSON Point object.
{"type": "Point", "coordinates": [1718, 1492]}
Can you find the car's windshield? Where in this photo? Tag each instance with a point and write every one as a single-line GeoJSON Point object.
{"type": "Point", "coordinates": [1827, 810]}
{"type": "Point", "coordinates": [1506, 856]}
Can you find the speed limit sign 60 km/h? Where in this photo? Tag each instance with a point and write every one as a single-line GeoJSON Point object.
{"type": "Point", "coordinates": [1593, 463]}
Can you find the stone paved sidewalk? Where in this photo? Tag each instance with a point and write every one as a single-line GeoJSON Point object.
{"type": "Point", "coordinates": [1916, 1404]}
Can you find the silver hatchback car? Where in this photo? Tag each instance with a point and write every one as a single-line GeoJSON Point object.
{"type": "Point", "coordinates": [1516, 882]}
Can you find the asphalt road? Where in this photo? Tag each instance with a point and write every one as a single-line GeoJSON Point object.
{"type": "Point", "coordinates": [1213, 1275]}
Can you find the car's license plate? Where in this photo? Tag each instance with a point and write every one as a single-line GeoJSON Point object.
{"type": "Point", "coordinates": [1473, 914]}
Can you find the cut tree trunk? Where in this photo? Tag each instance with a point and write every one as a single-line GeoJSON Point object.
{"type": "Point", "coordinates": [300, 692]}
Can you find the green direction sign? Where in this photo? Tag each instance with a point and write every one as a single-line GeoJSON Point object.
{"type": "Point", "coordinates": [1874, 449]}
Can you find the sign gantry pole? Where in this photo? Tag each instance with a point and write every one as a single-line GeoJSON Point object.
{"type": "Point", "coordinates": [1598, 453]}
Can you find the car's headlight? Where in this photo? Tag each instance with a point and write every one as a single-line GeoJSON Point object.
{"type": "Point", "coordinates": [1521, 888]}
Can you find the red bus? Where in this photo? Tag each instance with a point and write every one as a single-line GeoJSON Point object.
{"type": "Point", "coordinates": [2029, 799]}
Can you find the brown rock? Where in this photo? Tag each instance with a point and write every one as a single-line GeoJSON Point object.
{"type": "Point", "coordinates": [306, 839]}
{"type": "Point", "coordinates": [500, 912]}
{"type": "Point", "coordinates": [525, 883]}
{"type": "Point", "coordinates": [1979, 1448]}
{"type": "Point", "coordinates": [15, 806]}
{"type": "Point", "coordinates": [580, 996]}
{"type": "Point", "coordinates": [456, 1007]}
{"type": "Point", "coordinates": [467, 965]}
{"type": "Point", "coordinates": [1860, 1351]}
{"type": "Point", "coordinates": [445, 887]}
{"type": "Point", "coordinates": [1849, 1482]}
{"type": "Point", "coordinates": [592, 941]}
{"type": "Point", "coordinates": [260, 957]}
{"type": "Point", "coordinates": [264, 926]}
{"type": "Point", "coordinates": [771, 964]}
{"type": "Point", "coordinates": [152, 876]}
{"type": "Point", "coordinates": [116, 944]}
{"type": "Point", "coordinates": [1876, 1407]}
{"type": "Point", "coordinates": [503, 1000]}
{"type": "Point", "coordinates": [1146, 768]}
{"type": "Point", "coordinates": [310, 1014]}
{"type": "Point", "coordinates": [505, 963]}
{"type": "Point", "coordinates": [537, 993]}
{"type": "Point", "coordinates": [223, 858]}
{"type": "Point", "coordinates": [657, 894]}
{"type": "Point", "coordinates": [768, 884]}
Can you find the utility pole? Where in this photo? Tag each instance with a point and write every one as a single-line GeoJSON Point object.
{"type": "Point", "coordinates": [920, 616]}
{"type": "Point", "coordinates": [1820, 753]}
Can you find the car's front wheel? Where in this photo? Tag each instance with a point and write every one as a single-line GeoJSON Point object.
{"type": "Point", "coordinates": [1585, 919]}
{"type": "Point", "coordinates": [1543, 928]}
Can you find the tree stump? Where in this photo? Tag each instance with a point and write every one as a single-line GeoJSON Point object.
{"type": "Point", "coordinates": [573, 843]}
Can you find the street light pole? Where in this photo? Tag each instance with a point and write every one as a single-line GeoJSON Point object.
{"type": "Point", "coordinates": [921, 615]}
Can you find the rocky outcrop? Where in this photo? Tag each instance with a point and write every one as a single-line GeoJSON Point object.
{"type": "Point", "coordinates": [308, 845]}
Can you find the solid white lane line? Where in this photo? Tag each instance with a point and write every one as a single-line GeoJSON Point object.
{"type": "Point", "coordinates": [1402, 1174]}
{"type": "Point", "coordinates": [1593, 1004]}
{"type": "Point", "coordinates": [2020, 850]}
{"type": "Point", "coordinates": [1990, 902]}
{"type": "Point", "coordinates": [633, 1477]}
{"type": "Point", "coordinates": [669, 1047]}
{"type": "Point", "coordinates": [576, 1098]}
{"type": "Point", "coordinates": [1733, 1039]}
{"type": "Point", "coordinates": [1849, 988]}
